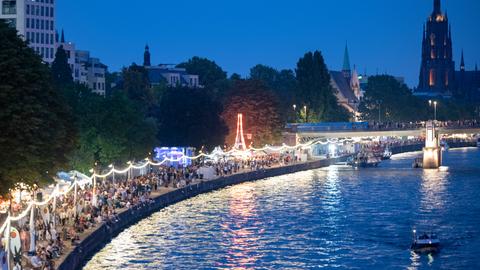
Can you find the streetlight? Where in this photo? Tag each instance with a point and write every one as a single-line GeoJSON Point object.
{"type": "Point", "coordinates": [294, 112]}
{"type": "Point", "coordinates": [113, 171]}
{"type": "Point", "coordinates": [306, 115]}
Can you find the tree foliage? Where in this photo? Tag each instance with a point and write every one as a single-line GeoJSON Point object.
{"type": "Point", "coordinates": [190, 117]}
{"type": "Point", "coordinates": [282, 83]}
{"type": "Point", "coordinates": [211, 76]}
{"type": "Point", "coordinates": [392, 99]}
{"type": "Point", "coordinates": [61, 72]}
{"type": "Point", "coordinates": [35, 135]}
{"type": "Point", "coordinates": [314, 90]}
{"type": "Point", "coordinates": [259, 107]}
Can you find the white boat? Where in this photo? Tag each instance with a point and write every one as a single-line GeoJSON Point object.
{"type": "Point", "coordinates": [387, 154]}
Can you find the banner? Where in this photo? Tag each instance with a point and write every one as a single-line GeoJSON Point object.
{"type": "Point", "coordinates": [45, 212]}
{"type": "Point", "coordinates": [15, 243]}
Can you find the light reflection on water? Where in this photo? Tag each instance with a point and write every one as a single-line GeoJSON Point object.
{"type": "Point", "coordinates": [334, 218]}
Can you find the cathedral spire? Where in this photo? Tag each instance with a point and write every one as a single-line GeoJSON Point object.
{"type": "Point", "coordinates": [437, 7]}
{"type": "Point", "coordinates": [462, 63]}
{"type": "Point", "coordinates": [146, 56]}
{"type": "Point", "coordinates": [346, 62]}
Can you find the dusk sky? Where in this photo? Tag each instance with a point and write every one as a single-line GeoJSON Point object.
{"type": "Point", "coordinates": [383, 36]}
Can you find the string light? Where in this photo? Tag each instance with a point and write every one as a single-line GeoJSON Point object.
{"type": "Point", "coordinates": [214, 154]}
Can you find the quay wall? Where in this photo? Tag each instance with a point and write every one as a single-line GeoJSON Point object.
{"type": "Point", "coordinates": [103, 234]}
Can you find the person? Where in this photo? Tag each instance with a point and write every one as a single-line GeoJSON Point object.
{"type": "Point", "coordinates": [36, 262]}
{"type": "Point", "coordinates": [3, 257]}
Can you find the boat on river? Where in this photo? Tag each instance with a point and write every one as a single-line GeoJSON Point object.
{"type": "Point", "coordinates": [425, 243]}
{"type": "Point", "coordinates": [387, 154]}
{"type": "Point", "coordinates": [364, 160]}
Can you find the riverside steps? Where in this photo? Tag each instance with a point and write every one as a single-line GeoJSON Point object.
{"type": "Point", "coordinates": [94, 239]}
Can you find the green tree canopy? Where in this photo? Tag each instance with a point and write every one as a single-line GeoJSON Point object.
{"type": "Point", "coordinates": [314, 90]}
{"type": "Point", "coordinates": [36, 135]}
{"type": "Point", "coordinates": [211, 76]}
{"type": "Point", "coordinates": [190, 117]}
{"type": "Point", "coordinates": [259, 107]}
{"type": "Point", "coordinates": [61, 72]}
{"type": "Point", "coordinates": [392, 101]}
{"type": "Point", "coordinates": [282, 83]}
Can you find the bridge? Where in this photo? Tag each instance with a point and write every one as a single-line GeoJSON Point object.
{"type": "Point", "coordinates": [306, 132]}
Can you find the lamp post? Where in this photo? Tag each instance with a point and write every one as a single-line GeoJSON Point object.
{"type": "Point", "coordinates": [294, 113]}
{"type": "Point", "coordinates": [113, 172]}
{"type": "Point", "coordinates": [306, 114]}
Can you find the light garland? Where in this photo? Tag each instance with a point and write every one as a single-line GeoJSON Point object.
{"type": "Point", "coordinates": [214, 154]}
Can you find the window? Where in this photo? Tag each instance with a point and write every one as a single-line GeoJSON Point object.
{"type": "Point", "coordinates": [432, 77]}
{"type": "Point", "coordinates": [37, 38]}
{"type": "Point", "coordinates": [42, 11]}
{"type": "Point", "coordinates": [28, 23]}
{"type": "Point", "coordinates": [38, 24]}
{"type": "Point", "coordinates": [51, 12]}
{"type": "Point", "coordinates": [51, 52]}
{"type": "Point", "coordinates": [9, 7]}
{"type": "Point", "coordinates": [47, 13]}
{"type": "Point", "coordinates": [43, 52]}
{"type": "Point", "coordinates": [446, 78]}
{"type": "Point", "coordinates": [37, 10]}
{"type": "Point", "coordinates": [51, 38]}
{"type": "Point", "coordinates": [42, 39]}
{"type": "Point", "coordinates": [42, 26]}
{"type": "Point", "coordinates": [28, 9]}
{"type": "Point", "coordinates": [432, 54]}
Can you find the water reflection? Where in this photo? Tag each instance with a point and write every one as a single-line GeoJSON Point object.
{"type": "Point", "coordinates": [335, 218]}
{"type": "Point", "coordinates": [242, 236]}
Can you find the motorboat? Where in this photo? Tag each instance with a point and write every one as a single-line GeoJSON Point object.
{"type": "Point", "coordinates": [417, 163]}
{"type": "Point", "coordinates": [387, 154]}
{"type": "Point", "coordinates": [425, 243]}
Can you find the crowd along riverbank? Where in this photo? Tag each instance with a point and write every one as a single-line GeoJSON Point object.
{"type": "Point", "coordinates": [96, 238]}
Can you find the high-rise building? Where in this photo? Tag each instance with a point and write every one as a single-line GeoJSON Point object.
{"type": "Point", "coordinates": [35, 22]}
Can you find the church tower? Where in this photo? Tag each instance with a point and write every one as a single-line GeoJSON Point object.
{"type": "Point", "coordinates": [146, 57]}
{"type": "Point", "coordinates": [437, 68]}
{"type": "Point", "coordinates": [347, 72]}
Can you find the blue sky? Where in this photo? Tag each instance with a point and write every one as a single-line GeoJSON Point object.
{"type": "Point", "coordinates": [382, 35]}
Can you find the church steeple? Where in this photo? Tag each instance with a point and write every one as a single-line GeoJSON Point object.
{"type": "Point", "coordinates": [462, 63]}
{"type": "Point", "coordinates": [62, 38]}
{"type": "Point", "coordinates": [146, 57]}
{"type": "Point", "coordinates": [346, 63]}
{"type": "Point", "coordinates": [437, 7]}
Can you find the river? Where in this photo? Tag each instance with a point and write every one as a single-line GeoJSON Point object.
{"type": "Point", "coordinates": [336, 217]}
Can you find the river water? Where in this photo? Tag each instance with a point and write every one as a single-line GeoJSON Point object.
{"type": "Point", "coordinates": [335, 217]}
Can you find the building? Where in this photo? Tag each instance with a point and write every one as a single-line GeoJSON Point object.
{"type": "Point", "coordinates": [35, 22]}
{"type": "Point", "coordinates": [438, 77]}
{"type": "Point", "coordinates": [86, 70]}
{"type": "Point", "coordinates": [346, 85]}
{"type": "Point", "coordinates": [168, 74]}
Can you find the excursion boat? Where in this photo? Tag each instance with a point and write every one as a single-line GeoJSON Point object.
{"type": "Point", "coordinates": [362, 161]}
{"type": "Point", "coordinates": [425, 243]}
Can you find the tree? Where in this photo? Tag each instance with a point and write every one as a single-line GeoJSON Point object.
{"type": "Point", "coordinates": [282, 83]}
{"type": "Point", "coordinates": [61, 72]}
{"type": "Point", "coordinates": [36, 134]}
{"type": "Point", "coordinates": [211, 76]}
{"type": "Point", "coordinates": [259, 107]}
{"type": "Point", "coordinates": [112, 130]}
{"type": "Point", "coordinates": [391, 101]}
{"type": "Point", "coordinates": [314, 90]}
{"type": "Point", "coordinates": [136, 85]}
{"type": "Point", "coordinates": [190, 117]}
